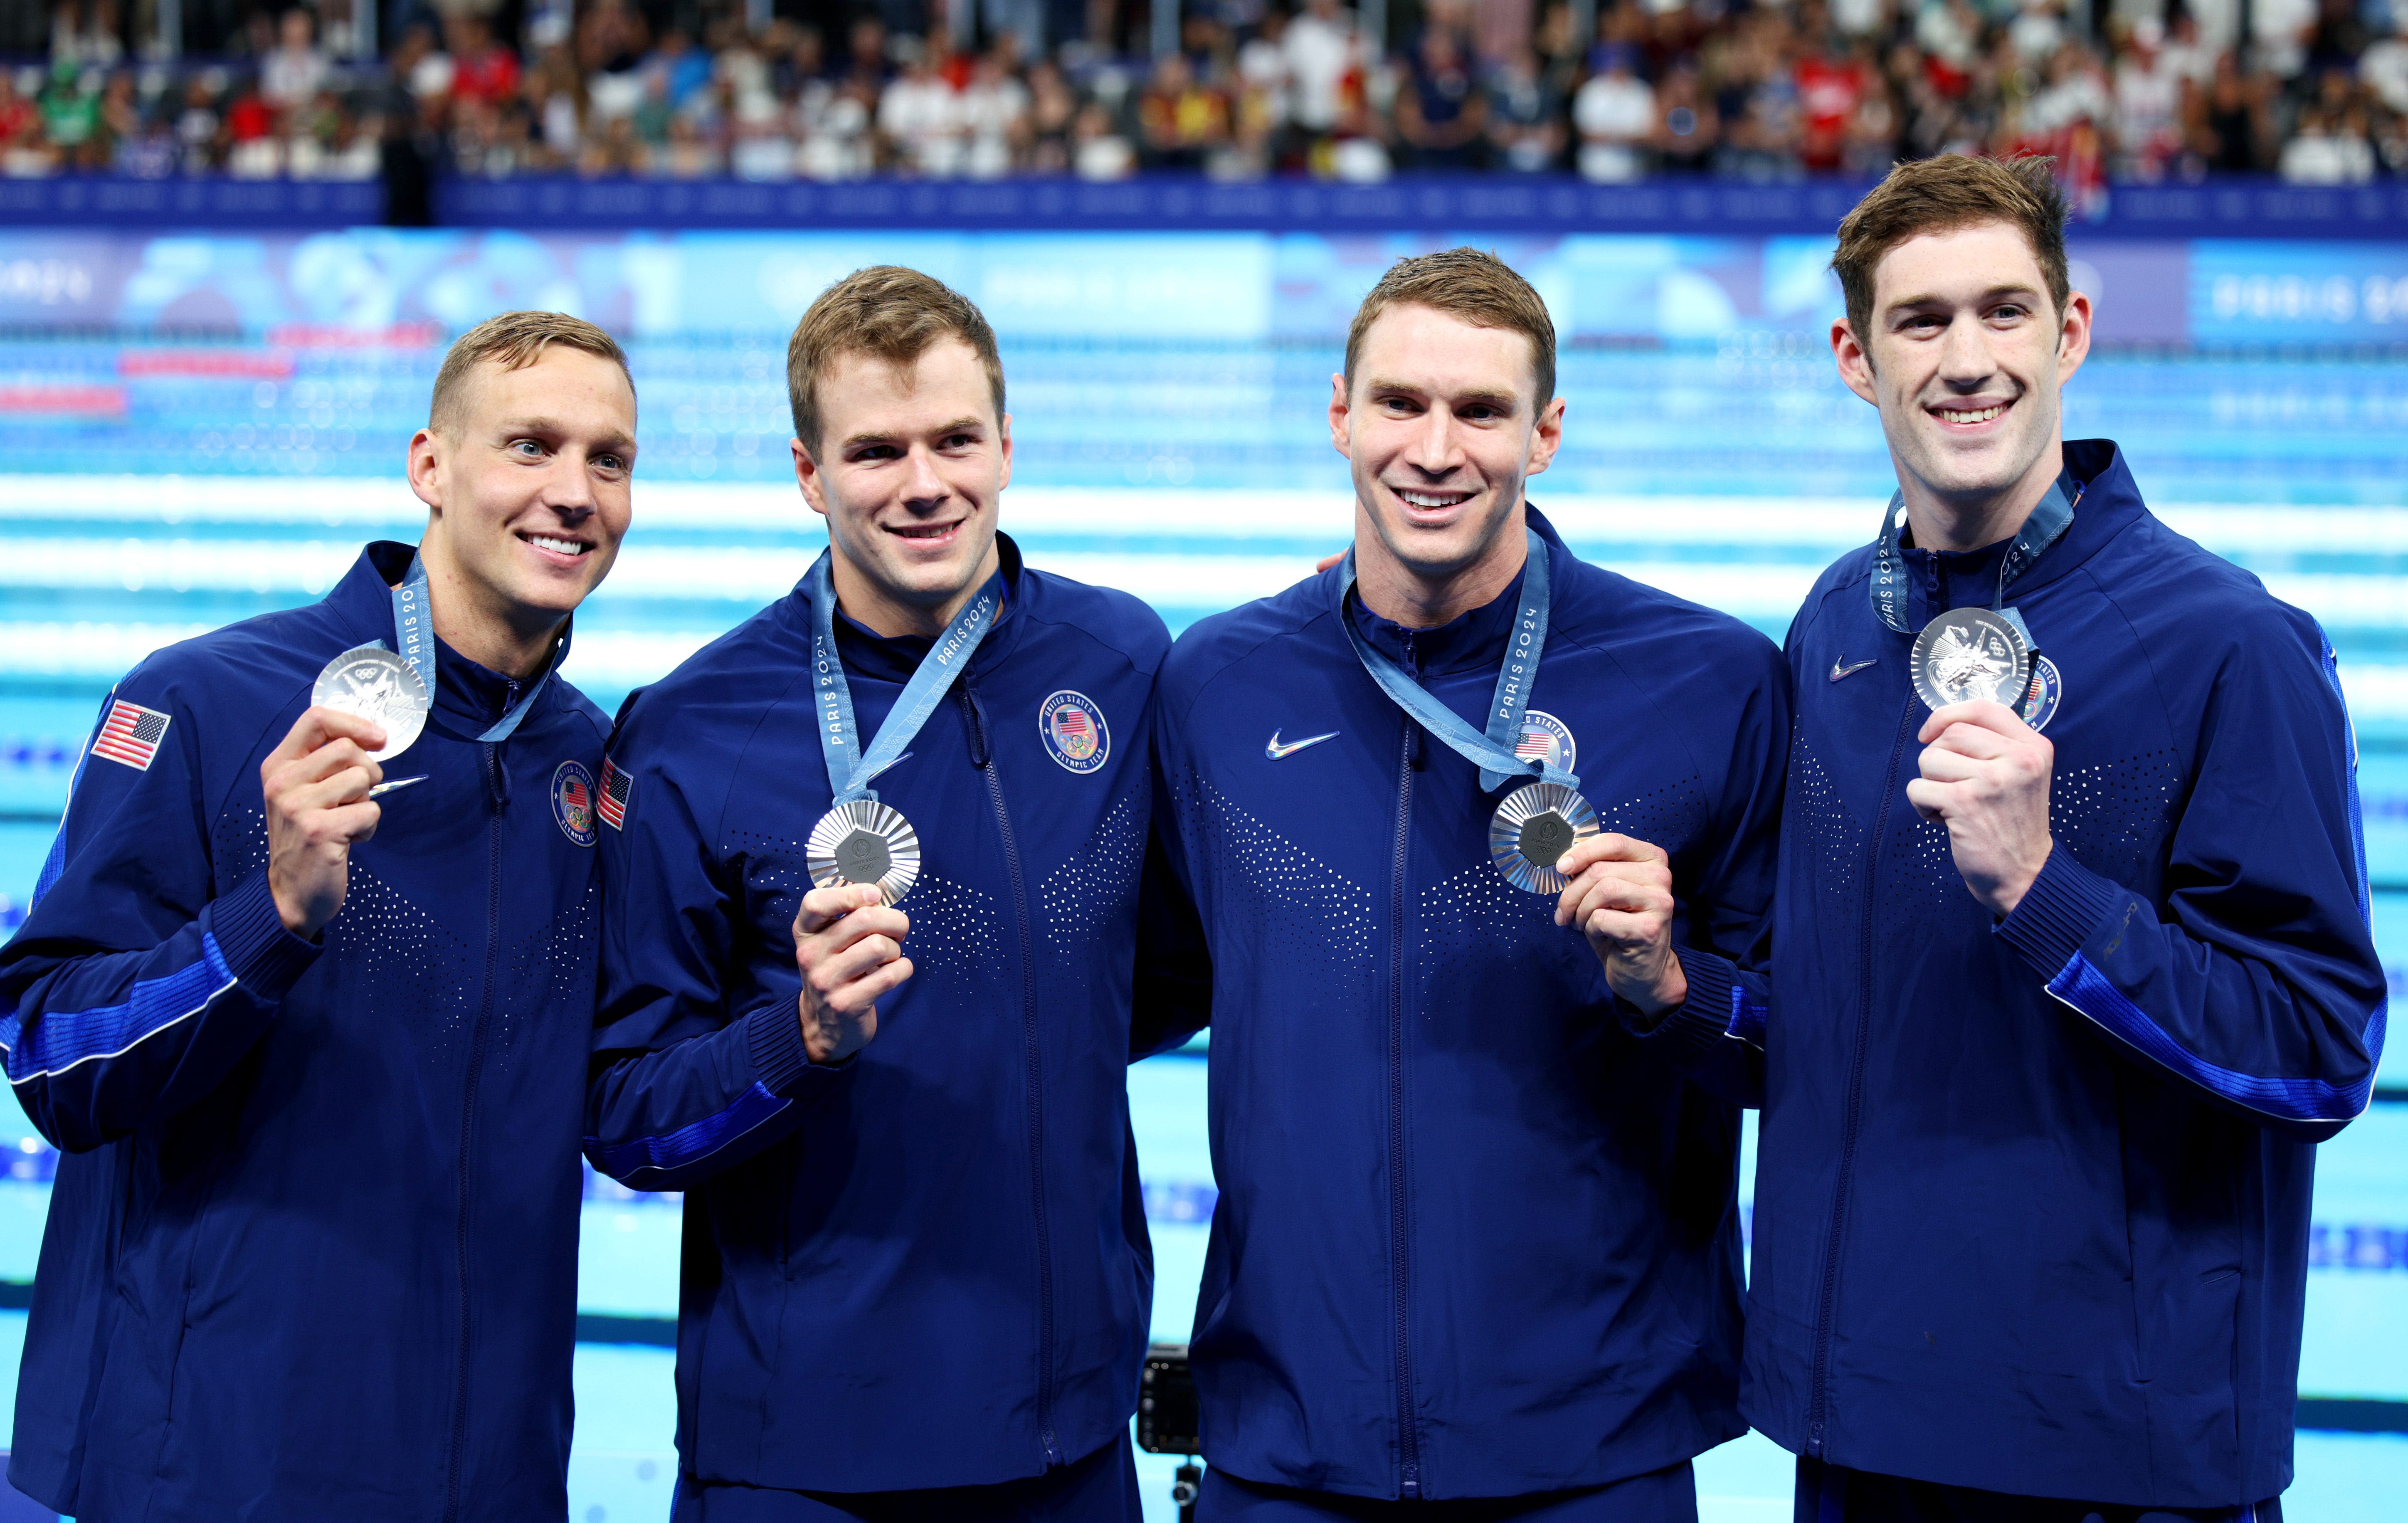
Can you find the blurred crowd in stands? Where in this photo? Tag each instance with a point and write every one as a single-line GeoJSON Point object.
{"type": "Point", "coordinates": [1613, 90]}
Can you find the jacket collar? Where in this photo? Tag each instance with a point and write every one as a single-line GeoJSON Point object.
{"type": "Point", "coordinates": [866, 653]}
{"type": "Point", "coordinates": [1471, 640]}
{"type": "Point", "coordinates": [470, 695]}
{"type": "Point", "coordinates": [2109, 503]}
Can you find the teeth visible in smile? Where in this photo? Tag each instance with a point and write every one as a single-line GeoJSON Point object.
{"type": "Point", "coordinates": [1426, 499]}
{"type": "Point", "coordinates": [558, 547]}
{"type": "Point", "coordinates": [1982, 416]}
{"type": "Point", "coordinates": [924, 531]}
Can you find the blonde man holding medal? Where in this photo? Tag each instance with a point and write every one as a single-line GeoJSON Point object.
{"type": "Point", "coordinates": [314, 1055]}
{"type": "Point", "coordinates": [1476, 1243]}
{"type": "Point", "coordinates": [869, 962]}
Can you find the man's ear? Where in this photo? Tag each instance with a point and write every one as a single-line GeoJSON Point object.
{"type": "Point", "coordinates": [1855, 362]}
{"type": "Point", "coordinates": [1549, 431]}
{"type": "Point", "coordinates": [1339, 410]}
{"type": "Point", "coordinates": [424, 467]}
{"type": "Point", "coordinates": [808, 477]}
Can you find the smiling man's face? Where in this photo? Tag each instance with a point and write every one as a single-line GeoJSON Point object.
{"type": "Point", "coordinates": [1442, 425]}
{"type": "Point", "coordinates": [909, 467]}
{"type": "Point", "coordinates": [1966, 358]}
{"type": "Point", "coordinates": [528, 477]}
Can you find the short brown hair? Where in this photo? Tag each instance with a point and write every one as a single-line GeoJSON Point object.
{"type": "Point", "coordinates": [1475, 287]}
{"type": "Point", "coordinates": [514, 340]}
{"type": "Point", "coordinates": [887, 311]}
{"type": "Point", "coordinates": [1940, 194]}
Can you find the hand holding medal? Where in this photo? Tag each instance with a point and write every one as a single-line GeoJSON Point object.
{"type": "Point", "coordinates": [1620, 897]}
{"type": "Point", "coordinates": [849, 944]}
{"type": "Point", "coordinates": [315, 787]}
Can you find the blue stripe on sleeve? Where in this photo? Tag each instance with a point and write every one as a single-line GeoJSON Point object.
{"type": "Point", "coordinates": [2081, 985]}
{"type": "Point", "coordinates": [60, 1040]}
{"type": "Point", "coordinates": [688, 1144]}
{"type": "Point", "coordinates": [1748, 1015]}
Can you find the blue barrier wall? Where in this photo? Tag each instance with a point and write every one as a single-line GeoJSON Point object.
{"type": "Point", "coordinates": [1237, 287]}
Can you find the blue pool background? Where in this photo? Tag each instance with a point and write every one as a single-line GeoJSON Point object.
{"type": "Point", "coordinates": [195, 428]}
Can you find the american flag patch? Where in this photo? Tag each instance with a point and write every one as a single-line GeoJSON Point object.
{"type": "Point", "coordinates": [130, 734]}
{"type": "Point", "coordinates": [614, 807]}
{"type": "Point", "coordinates": [1536, 745]}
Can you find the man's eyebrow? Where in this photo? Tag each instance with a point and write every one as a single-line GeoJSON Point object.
{"type": "Point", "coordinates": [1504, 399]}
{"type": "Point", "coordinates": [889, 435]}
{"type": "Point", "coordinates": [555, 428]}
{"type": "Point", "coordinates": [2012, 288]}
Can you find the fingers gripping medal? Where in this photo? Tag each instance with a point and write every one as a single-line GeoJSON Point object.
{"type": "Point", "coordinates": [1533, 828]}
{"type": "Point", "coordinates": [859, 839]}
{"type": "Point", "coordinates": [380, 687]}
{"type": "Point", "coordinates": [1969, 655]}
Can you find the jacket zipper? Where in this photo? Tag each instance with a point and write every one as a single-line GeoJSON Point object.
{"type": "Point", "coordinates": [1409, 1446]}
{"type": "Point", "coordinates": [983, 757]}
{"type": "Point", "coordinates": [498, 797]}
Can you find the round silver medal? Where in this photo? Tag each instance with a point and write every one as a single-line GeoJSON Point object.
{"type": "Point", "coordinates": [1533, 828]}
{"type": "Point", "coordinates": [376, 685]}
{"type": "Point", "coordinates": [1967, 655]}
{"type": "Point", "coordinates": [863, 842]}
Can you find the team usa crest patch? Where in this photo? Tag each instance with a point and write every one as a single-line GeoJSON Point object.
{"type": "Point", "coordinates": [572, 801]}
{"type": "Point", "coordinates": [131, 734]}
{"type": "Point", "coordinates": [1545, 738]}
{"type": "Point", "coordinates": [1074, 731]}
{"type": "Point", "coordinates": [612, 802]}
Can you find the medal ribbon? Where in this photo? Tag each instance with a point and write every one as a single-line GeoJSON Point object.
{"type": "Point", "coordinates": [2045, 525]}
{"type": "Point", "coordinates": [413, 630]}
{"type": "Point", "coordinates": [850, 768]}
{"type": "Point", "coordinates": [1492, 752]}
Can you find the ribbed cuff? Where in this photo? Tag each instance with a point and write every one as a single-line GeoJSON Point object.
{"type": "Point", "coordinates": [264, 957]}
{"type": "Point", "coordinates": [774, 1034]}
{"type": "Point", "coordinates": [2058, 912]}
{"type": "Point", "coordinates": [1686, 1035]}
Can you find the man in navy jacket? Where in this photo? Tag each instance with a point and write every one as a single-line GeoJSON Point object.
{"type": "Point", "coordinates": [917, 1279]}
{"type": "Point", "coordinates": [1472, 1243]}
{"type": "Point", "coordinates": [2058, 1016]}
{"type": "Point", "coordinates": [316, 1060]}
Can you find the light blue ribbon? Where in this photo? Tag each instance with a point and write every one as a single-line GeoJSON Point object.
{"type": "Point", "coordinates": [413, 631]}
{"type": "Point", "coordinates": [850, 768]}
{"type": "Point", "coordinates": [2049, 520]}
{"type": "Point", "coordinates": [1492, 752]}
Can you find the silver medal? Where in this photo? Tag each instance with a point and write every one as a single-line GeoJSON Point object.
{"type": "Point", "coordinates": [1533, 828]}
{"type": "Point", "coordinates": [1967, 655]}
{"type": "Point", "coordinates": [376, 686]}
{"type": "Point", "coordinates": [863, 842]}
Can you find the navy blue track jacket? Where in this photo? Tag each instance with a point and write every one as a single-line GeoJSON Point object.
{"type": "Point", "coordinates": [927, 1265]}
{"type": "Point", "coordinates": [2032, 1197]}
{"type": "Point", "coordinates": [312, 1250]}
{"type": "Point", "coordinates": [1472, 1239]}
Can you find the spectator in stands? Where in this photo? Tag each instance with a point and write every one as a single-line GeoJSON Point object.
{"type": "Point", "coordinates": [1615, 114]}
{"type": "Point", "coordinates": [1321, 47]}
{"type": "Point", "coordinates": [1183, 119]}
{"type": "Point", "coordinates": [1441, 113]}
{"type": "Point", "coordinates": [2231, 121]}
{"type": "Point", "coordinates": [2384, 66]}
{"type": "Point", "coordinates": [1525, 118]}
{"type": "Point", "coordinates": [294, 71]}
{"type": "Point", "coordinates": [481, 68]}
{"type": "Point", "coordinates": [1688, 128]}
{"type": "Point", "coordinates": [1098, 150]}
{"type": "Point", "coordinates": [994, 114]}
{"type": "Point", "coordinates": [1831, 85]}
{"type": "Point", "coordinates": [919, 118]}
{"type": "Point", "coordinates": [2148, 103]}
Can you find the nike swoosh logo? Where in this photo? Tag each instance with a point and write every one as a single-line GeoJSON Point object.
{"type": "Point", "coordinates": [1838, 672]}
{"type": "Point", "coordinates": [1275, 751]}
